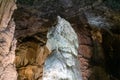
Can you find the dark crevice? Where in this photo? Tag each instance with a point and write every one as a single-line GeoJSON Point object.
{"type": "Point", "coordinates": [111, 48]}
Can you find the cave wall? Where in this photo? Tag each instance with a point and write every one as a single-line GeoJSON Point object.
{"type": "Point", "coordinates": [91, 20]}
{"type": "Point", "coordinates": [7, 40]}
{"type": "Point", "coordinates": [97, 24]}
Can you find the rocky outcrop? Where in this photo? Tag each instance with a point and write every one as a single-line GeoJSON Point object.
{"type": "Point", "coordinates": [62, 64]}
{"type": "Point", "coordinates": [7, 40]}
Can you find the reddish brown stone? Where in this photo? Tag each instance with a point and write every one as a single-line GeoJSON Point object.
{"type": "Point", "coordinates": [85, 51]}
{"type": "Point", "coordinates": [83, 39]}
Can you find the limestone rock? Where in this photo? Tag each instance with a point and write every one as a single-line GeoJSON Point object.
{"type": "Point", "coordinates": [29, 60]}
{"type": "Point", "coordinates": [63, 44]}
{"type": "Point", "coordinates": [7, 41]}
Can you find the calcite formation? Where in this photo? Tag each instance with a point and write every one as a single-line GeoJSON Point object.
{"type": "Point", "coordinates": [62, 63]}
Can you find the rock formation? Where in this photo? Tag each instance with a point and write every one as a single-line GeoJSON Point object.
{"type": "Point", "coordinates": [96, 23]}
{"type": "Point", "coordinates": [7, 40]}
{"type": "Point", "coordinates": [62, 63]}
{"type": "Point", "coordinates": [29, 60]}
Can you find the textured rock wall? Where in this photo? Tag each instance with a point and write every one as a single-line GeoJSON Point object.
{"type": "Point", "coordinates": [62, 64]}
{"type": "Point", "coordinates": [30, 57]}
{"type": "Point", "coordinates": [96, 24]}
{"type": "Point", "coordinates": [7, 40]}
{"type": "Point", "coordinates": [85, 51]}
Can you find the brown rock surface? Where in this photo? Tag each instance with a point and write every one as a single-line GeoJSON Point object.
{"type": "Point", "coordinates": [7, 40]}
{"type": "Point", "coordinates": [30, 57]}
{"type": "Point", "coordinates": [85, 52]}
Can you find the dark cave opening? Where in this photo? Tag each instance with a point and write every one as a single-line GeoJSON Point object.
{"type": "Point", "coordinates": [111, 46]}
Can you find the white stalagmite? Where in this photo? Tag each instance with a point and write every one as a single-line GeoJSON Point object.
{"type": "Point", "coordinates": [62, 64]}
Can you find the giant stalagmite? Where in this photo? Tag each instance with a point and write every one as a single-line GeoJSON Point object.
{"type": "Point", "coordinates": [62, 63]}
